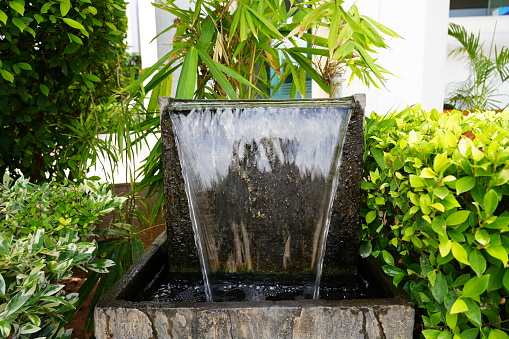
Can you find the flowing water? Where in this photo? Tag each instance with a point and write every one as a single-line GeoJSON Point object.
{"type": "Point", "coordinates": [260, 183]}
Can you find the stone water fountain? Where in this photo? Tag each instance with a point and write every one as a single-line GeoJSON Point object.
{"type": "Point", "coordinates": [262, 207]}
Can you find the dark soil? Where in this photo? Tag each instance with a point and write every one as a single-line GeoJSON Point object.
{"type": "Point", "coordinates": [77, 323]}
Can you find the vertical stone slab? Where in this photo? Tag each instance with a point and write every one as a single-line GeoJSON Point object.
{"type": "Point", "coordinates": [342, 241]}
{"type": "Point", "coordinates": [342, 249]}
{"type": "Point", "coordinates": [182, 254]}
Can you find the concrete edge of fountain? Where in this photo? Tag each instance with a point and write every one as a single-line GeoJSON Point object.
{"type": "Point", "coordinates": [116, 317]}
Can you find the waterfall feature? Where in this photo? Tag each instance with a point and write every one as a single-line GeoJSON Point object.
{"type": "Point", "coordinates": [260, 182]}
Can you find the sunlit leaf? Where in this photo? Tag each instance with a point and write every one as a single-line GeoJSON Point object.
{"type": "Point", "coordinates": [476, 286]}
{"type": "Point", "coordinates": [459, 306]}
{"type": "Point", "coordinates": [499, 252]}
{"type": "Point", "coordinates": [459, 253]}
{"type": "Point", "coordinates": [188, 75]}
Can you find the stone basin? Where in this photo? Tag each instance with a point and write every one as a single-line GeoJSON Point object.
{"type": "Point", "coordinates": [389, 314]}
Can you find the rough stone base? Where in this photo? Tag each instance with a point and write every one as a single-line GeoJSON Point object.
{"type": "Point", "coordinates": [116, 317]}
{"type": "Point", "coordinates": [262, 321]}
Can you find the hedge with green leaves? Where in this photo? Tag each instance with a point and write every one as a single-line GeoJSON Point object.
{"type": "Point", "coordinates": [437, 213]}
{"type": "Point", "coordinates": [43, 233]}
{"type": "Point", "coordinates": [59, 59]}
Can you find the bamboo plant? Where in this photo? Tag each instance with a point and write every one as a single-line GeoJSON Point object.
{"type": "Point", "coordinates": [248, 48]}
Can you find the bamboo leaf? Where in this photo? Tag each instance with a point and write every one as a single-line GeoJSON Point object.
{"type": "Point", "coordinates": [238, 77]}
{"type": "Point", "coordinates": [266, 24]}
{"type": "Point", "coordinates": [218, 75]}
{"type": "Point", "coordinates": [188, 75]}
{"type": "Point", "coordinates": [382, 28]}
{"type": "Point", "coordinates": [304, 63]}
{"type": "Point", "coordinates": [334, 27]}
{"type": "Point", "coordinates": [207, 33]}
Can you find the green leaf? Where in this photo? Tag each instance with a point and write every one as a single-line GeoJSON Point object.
{"type": "Point", "coordinates": [75, 38]}
{"type": "Point", "coordinates": [92, 77]}
{"type": "Point", "coordinates": [476, 286]}
{"type": "Point", "coordinates": [46, 7]}
{"type": "Point", "coordinates": [505, 280]}
{"type": "Point", "coordinates": [388, 258]}
{"type": "Point", "coordinates": [464, 184]}
{"type": "Point", "coordinates": [71, 48]}
{"type": "Point", "coordinates": [5, 328]}
{"type": "Point", "coordinates": [7, 75]}
{"type": "Point", "coordinates": [3, 17]}
{"type": "Point", "coordinates": [218, 75]}
{"type": "Point", "coordinates": [2, 285]}
{"type": "Point", "coordinates": [365, 249]}
{"type": "Point", "coordinates": [441, 192]}
{"type": "Point", "coordinates": [477, 262]}
{"type": "Point", "coordinates": [378, 154]}
{"type": "Point", "coordinates": [438, 225]}
{"type": "Point", "coordinates": [457, 218]}
{"type": "Point", "coordinates": [17, 7]}
{"type": "Point", "coordinates": [5, 245]}
{"type": "Point", "coordinates": [500, 178]}
{"type": "Point", "coordinates": [370, 217]}
{"type": "Point", "coordinates": [459, 253]}
{"type": "Point", "coordinates": [427, 173]}
{"type": "Point", "coordinates": [65, 6]}
{"type": "Point", "coordinates": [451, 319]}
{"type": "Point", "coordinates": [16, 303]}
{"type": "Point", "coordinates": [19, 23]}
{"type": "Point", "coordinates": [499, 252]}
{"type": "Point", "coordinates": [439, 289]}
{"type": "Point", "coordinates": [471, 333]}
{"type": "Point", "coordinates": [382, 28]}
{"type": "Point", "coordinates": [44, 89]}
{"type": "Point", "coordinates": [459, 306]}
{"type": "Point", "coordinates": [29, 328]}
{"type": "Point", "coordinates": [497, 334]}
{"type": "Point", "coordinates": [73, 23]}
{"type": "Point", "coordinates": [267, 24]}
{"type": "Point", "coordinates": [474, 312]}
{"type": "Point", "coordinates": [188, 75]}
{"type": "Point", "coordinates": [24, 65]}
{"type": "Point", "coordinates": [490, 202]}
{"type": "Point", "coordinates": [431, 334]}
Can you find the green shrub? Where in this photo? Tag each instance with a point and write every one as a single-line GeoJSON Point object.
{"type": "Point", "coordinates": [437, 213]}
{"type": "Point", "coordinates": [26, 207]}
{"type": "Point", "coordinates": [60, 59]}
{"type": "Point", "coordinates": [42, 237]}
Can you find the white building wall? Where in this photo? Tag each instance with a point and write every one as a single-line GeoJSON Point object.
{"type": "Point", "coordinates": [417, 61]}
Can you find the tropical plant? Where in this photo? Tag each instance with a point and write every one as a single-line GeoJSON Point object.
{"type": "Point", "coordinates": [60, 61]}
{"type": "Point", "coordinates": [437, 213]}
{"type": "Point", "coordinates": [248, 48]}
{"type": "Point", "coordinates": [43, 236]}
{"type": "Point", "coordinates": [487, 72]}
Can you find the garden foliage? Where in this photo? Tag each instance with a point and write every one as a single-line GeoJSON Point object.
{"type": "Point", "coordinates": [43, 236]}
{"type": "Point", "coordinates": [488, 71]}
{"type": "Point", "coordinates": [437, 214]}
{"type": "Point", "coordinates": [59, 60]}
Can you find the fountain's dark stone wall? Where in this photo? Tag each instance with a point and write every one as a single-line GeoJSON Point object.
{"type": "Point", "coordinates": [341, 249]}
{"type": "Point", "coordinates": [342, 242]}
